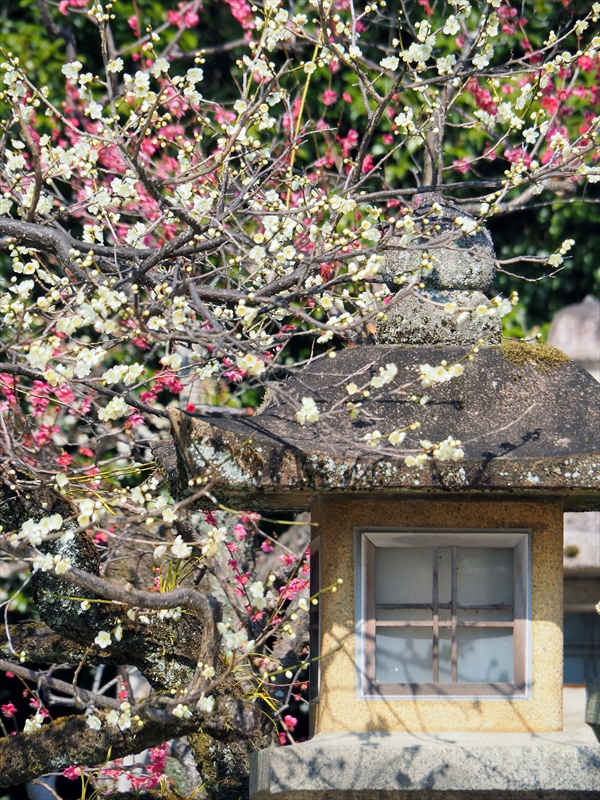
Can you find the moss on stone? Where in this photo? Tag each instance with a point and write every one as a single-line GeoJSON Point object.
{"type": "Point", "coordinates": [224, 766]}
{"type": "Point", "coordinates": [543, 357]}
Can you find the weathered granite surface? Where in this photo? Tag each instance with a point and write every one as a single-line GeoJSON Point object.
{"type": "Point", "coordinates": [428, 766]}
{"type": "Point", "coordinates": [460, 268]}
{"type": "Point", "coordinates": [527, 418]}
{"type": "Point", "coordinates": [461, 261]}
{"type": "Point", "coordinates": [415, 322]}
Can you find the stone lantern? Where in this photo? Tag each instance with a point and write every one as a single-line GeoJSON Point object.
{"type": "Point", "coordinates": [439, 660]}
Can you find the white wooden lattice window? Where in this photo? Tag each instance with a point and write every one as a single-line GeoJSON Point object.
{"type": "Point", "coordinates": [445, 613]}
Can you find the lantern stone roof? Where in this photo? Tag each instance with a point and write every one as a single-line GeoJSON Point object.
{"type": "Point", "coordinates": [528, 420]}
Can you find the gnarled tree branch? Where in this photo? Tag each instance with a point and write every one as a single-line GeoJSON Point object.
{"type": "Point", "coordinates": [69, 740]}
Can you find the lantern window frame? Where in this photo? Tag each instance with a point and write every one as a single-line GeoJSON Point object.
{"type": "Point", "coordinates": [517, 539]}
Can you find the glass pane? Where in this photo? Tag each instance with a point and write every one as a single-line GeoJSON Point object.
{"type": "Point", "coordinates": [574, 628]}
{"type": "Point", "coordinates": [582, 647]}
{"type": "Point", "coordinates": [403, 575]}
{"type": "Point", "coordinates": [403, 655]}
{"type": "Point", "coordinates": [485, 655]}
{"type": "Point", "coordinates": [574, 670]}
{"type": "Point", "coordinates": [444, 575]}
{"type": "Point", "coordinates": [404, 613]}
{"type": "Point", "coordinates": [445, 637]}
{"type": "Point", "coordinates": [485, 575]}
{"type": "Point", "coordinates": [485, 615]}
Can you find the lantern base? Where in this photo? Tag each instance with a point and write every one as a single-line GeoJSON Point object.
{"type": "Point", "coordinates": [461, 766]}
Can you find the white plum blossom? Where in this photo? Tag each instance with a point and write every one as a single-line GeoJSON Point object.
{"type": "Point", "coordinates": [169, 514]}
{"type": "Point", "coordinates": [127, 374]}
{"type": "Point", "coordinates": [112, 717]}
{"type": "Point", "coordinates": [445, 64]}
{"type": "Point", "coordinates": [405, 122]}
{"type": "Point", "coordinates": [88, 359]}
{"type": "Point", "coordinates": [251, 364]}
{"type": "Point", "coordinates": [210, 543]}
{"type": "Point", "coordinates": [39, 355]}
{"type": "Point", "coordinates": [416, 461]}
{"type": "Point", "coordinates": [419, 53]}
{"type": "Point", "coordinates": [157, 323]}
{"type": "Point", "coordinates": [373, 438]}
{"type": "Point", "coordinates": [555, 260]}
{"type": "Point", "coordinates": [160, 65]}
{"type": "Point", "coordinates": [182, 711]}
{"type": "Point", "coordinates": [180, 549]}
{"type": "Point", "coordinates": [103, 640]}
{"type": "Point", "coordinates": [448, 450]}
{"type": "Point", "coordinates": [309, 411]}
{"type": "Point", "coordinates": [481, 60]}
{"type": "Point", "coordinates": [34, 723]}
{"type": "Point", "coordinates": [173, 361]}
{"type": "Point", "coordinates": [116, 408]}
{"type": "Point", "coordinates": [452, 26]}
{"type": "Point", "coordinates": [93, 722]}
{"type": "Point", "coordinates": [502, 305]}
{"type": "Point", "coordinates": [94, 110]}
{"type": "Point", "coordinates": [257, 253]}
{"type": "Point", "coordinates": [124, 718]}
{"type": "Point", "coordinates": [439, 374]}
{"type": "Point", "coordinates": [61, 565]}
{"type": "Point", "coordinates": [115, 374]}
{"type": "Point", "coordinates": [530, 135]}
{"type": "Point", "coordinates": [233, 640]}
{"type": "Point", "coordinates": [467, 225]}
{"type": "Point", "coordinates": [115, 65]}
{"type": "Point", "coordinates": [36, 532]}
{"type": "Point", "coordinates": [206, 704]}
{"type": "Point", "coordinates": [44, 563]}
{"type": "Point", "coordinates": [256, 592]}
{"type": "Point", "coordinates": [159, 553]}
{"type": "Point", "coordinates": [342, 204]}
{"type": "Point", "coordinates": [89, 511]}
{"type": "Point", "coordinates": [390, 62]}
{"type": "Point", "coordinates": [386, 375]}
{"type": "Point", "coordinates": [194, 75]}
{"type": "Point", "coordinates": [141, 84]}
{"type": "Point", "coordinates": [396, 437]}
{"type": "Point", "coordinates": [71, 70]}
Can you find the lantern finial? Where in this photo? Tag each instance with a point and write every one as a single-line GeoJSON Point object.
{"type": "Point", "coordinates": [453, 256]}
